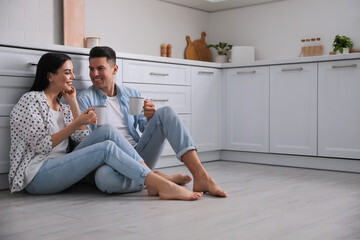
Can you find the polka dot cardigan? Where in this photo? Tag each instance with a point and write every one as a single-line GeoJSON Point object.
{"type": "Point", "coordinates": [30, 136]}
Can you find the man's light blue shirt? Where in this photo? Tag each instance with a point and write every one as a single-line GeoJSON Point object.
{"type": "Point", "coordinates": [93, 96]}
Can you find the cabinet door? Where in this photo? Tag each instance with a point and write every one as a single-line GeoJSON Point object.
{"type": "Point", "coordinates": [4, 144]}
{"type": "Point", "coordinates": [293, 109]}
{"type": "Point", "coordinates": [339, 109]}
{"type": "Point", "coordinates": [205, 108]}
{"type": "Point", "coordinates": [247, 109]}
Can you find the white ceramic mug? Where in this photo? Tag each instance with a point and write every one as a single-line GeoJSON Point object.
{"type": "Point", "coordinates": [100, 112]}
{"type": "Point", "coordinates": [136, 105]}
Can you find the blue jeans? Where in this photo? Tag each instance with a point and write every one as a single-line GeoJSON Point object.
{"type": "Point", "coordinates": [165, 124]}
{"type": "Point", "coordinates": [104, 150]}
{"type": "Point", "coordinates": [65, 171]}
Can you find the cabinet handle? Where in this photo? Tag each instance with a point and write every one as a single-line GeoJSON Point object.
{"type": "Point", "coordinates": [247, 72]}
{"type": "Point", "coordinates": [203, 72]}
{"type": "Point", "coordinates": [159, 74]}
{"type": "Point", "coordinates": [159, 100]}
{"type": "Point", "coordinates": [33, 64]}
{"type": "Point", "coordinates": [344, 66]}
{"type": "Point", "coordinates": [291, 69]}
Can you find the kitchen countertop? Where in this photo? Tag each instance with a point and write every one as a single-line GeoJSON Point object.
{"type": "Point", "coordinates": [131, 56]}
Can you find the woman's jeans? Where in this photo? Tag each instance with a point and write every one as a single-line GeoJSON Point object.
{"type": "Point", "coordinates": [106, 150]}
{"type": "Point", "coordinates": [117, 164]}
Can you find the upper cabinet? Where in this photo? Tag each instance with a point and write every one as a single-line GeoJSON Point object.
{"type": "Point", "coordinates": [247, 109]}
{"type": "Point", "coordinates": [293, 109]}
{"type": "Point", "coordinates": [339, 109]}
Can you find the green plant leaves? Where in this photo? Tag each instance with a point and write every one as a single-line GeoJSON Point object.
{"type": "Point", "coordinates": [341, 42]}
{"type": "Point", "coordinates": [222, 48]}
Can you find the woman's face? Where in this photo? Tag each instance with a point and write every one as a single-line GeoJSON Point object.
{"type": "Point", "coordinates": [62, 80]}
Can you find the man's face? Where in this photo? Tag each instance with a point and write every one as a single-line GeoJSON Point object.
{"type": "Point", "coordinates": [102, 74]}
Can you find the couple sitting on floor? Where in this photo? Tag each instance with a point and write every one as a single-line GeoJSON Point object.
{"type": "Point", "coordinates": [41, 125]}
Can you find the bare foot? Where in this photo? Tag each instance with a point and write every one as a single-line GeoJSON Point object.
{"type": "Point", "coordinates": [173, 191]}
{"type": "Point", "coordinates": [179, 178]}
{"type": "Point", "coordinates": [207, 184]}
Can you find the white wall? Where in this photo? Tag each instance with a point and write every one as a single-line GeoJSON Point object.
{"type": "Point", "coordinates": [31, 21]}
{"type": "Point", "coordinates": [276, 29]}
{"type": "Point", "coordinates": [141, 26]}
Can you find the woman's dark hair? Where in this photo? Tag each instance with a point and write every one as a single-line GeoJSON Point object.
{"type": "Point", "coordinates": [103, 51]}
{"type": "Point", "coordinates": [48, 63]}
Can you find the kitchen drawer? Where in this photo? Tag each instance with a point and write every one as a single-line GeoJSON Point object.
{"type": "Point", "coordinates": [11, 89]}
{"type": "Point", "coordinates": [185, 118]}
{"type": "Point", "coordinates": [19, 62]}
{"type": "Point", "coordinates": [177, 97]}
{"type": "Point", "coordinates": [158, 73]}
{"type": "Point", "coordinates": [4, 144]}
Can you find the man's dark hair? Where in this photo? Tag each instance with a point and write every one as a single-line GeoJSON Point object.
{"type": "Point", "coordinates": [103, 51]}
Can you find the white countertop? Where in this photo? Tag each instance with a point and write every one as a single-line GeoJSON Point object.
{"type": "Point", "coordinates": [121, 55]}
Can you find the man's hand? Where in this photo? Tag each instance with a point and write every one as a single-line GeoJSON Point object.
{"type": "Point", "coordinates": [149, 109]}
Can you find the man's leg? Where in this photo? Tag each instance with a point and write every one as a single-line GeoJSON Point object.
{"type": "Point", "coordinates": [166, 124]}
{"type": "Point", "coordinates": [202, 180]}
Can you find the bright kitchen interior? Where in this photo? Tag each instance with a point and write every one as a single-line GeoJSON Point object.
{"type": "Point", "coordinates": [281, 134]}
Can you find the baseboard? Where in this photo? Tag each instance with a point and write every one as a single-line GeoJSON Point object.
{"type": "Point", "coordinates": [322, 163]}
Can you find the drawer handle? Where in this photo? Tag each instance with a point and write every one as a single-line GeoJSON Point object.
{"type": "Point", "coordinates": [33, 64]}
{"type": "Point", "coordinates": [291, 69]}
{"type": "Point", "coordinates": [247, 72]}
{"type": "Point", "coordinates": [159, 100]}
{"type": "Point", "coordinates": [203, 72]}
{"type": "Point", "coordinates": [159, 74]}
{"type": "Point", "coordinates": [344, 66]}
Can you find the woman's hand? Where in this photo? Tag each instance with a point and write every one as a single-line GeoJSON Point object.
{"type": "Point", "coordinates": [88, 117]}
{"type": "Point", "coordinates": [70, 96]}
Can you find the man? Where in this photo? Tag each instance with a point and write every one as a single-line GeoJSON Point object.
{"type": "Point", "coordinates": [156, 126]}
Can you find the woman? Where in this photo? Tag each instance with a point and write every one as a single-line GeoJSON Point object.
{"type": "Point", "coordinates": [40, 128]}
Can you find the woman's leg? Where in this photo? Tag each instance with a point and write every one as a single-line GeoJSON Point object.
{"type": "Point", "coordinates": [108, 180]}
{"type": "Point", "coordinates": [108, 132]}
{"type": "Point", "coordinates": [58, 174]}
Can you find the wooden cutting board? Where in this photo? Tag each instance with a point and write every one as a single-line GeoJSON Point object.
{"type": "Point", "coordinates": [197, 50]}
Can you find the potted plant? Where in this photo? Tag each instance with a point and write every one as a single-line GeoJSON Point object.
{"type": "Point", "coordinates": [342, 44]}
{"type": "Point", "coordinates": [222, 49]}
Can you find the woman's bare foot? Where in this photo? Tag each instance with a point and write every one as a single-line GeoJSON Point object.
{"type": "Point", "coordinates": [179, 178]}
{"type": "Point", "coordinates": [207, 184]}
{"type": "Point", "coordinates": [167, 190]}
{"type": "Point", "coordinates": [174, 191]}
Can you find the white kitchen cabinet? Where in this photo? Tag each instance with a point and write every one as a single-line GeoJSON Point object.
{"type": "Point", "coordinates": [293, 109]}
{"type": "Point", "coordinates": [164, 85]}
{"type": "Point", "coordinates": [156, 73]}
{"type": "Point", "coordinates": [205, 108]}
{"type": "Point", "coordinates": [339, 109]}
{"type": "Point", "coordinates": [247, 109]}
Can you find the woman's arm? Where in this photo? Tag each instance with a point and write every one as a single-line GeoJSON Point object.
{"type": "Point", "coordinates": [82, 120]}
{"type": "Point", "coordinates": [70, 97]}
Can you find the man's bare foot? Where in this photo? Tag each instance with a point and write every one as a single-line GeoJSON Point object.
{"type": "Point", "coordinates": [207, 184]}
{"type": "Point", "coordinates": [179, 178]}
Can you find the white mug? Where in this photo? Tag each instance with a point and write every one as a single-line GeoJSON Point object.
{"type": "Point", "coordinates": [100, 112]}
{"type": "Point", "coordinates": [136, 105]}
